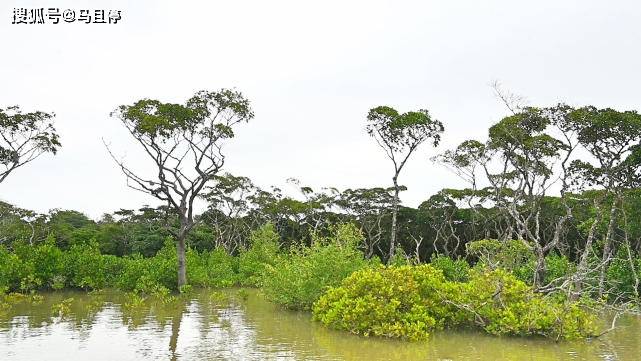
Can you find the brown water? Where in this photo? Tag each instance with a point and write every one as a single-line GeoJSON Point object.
{"type": "Point", "coordinates": [233, 327]}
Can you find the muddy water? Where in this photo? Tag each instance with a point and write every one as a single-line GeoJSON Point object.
{"type": "Point", "coordinates": [210, 325]}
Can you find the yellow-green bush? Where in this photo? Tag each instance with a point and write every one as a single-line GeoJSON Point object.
{"type": "Point", "coordinates": [410, 301]}
{"type": "Point", "coordinates": [385, 301]}
{"type": "Point", "coordinates": [453, 269]}
{"type": "Point", "coordinates": [501, 304]}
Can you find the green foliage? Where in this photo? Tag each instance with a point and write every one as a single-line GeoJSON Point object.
{"type": "Point", "coordinates": [155, 119]}
{"type": "Point", "coordinates": [403, 131]}
{"type": "Point", "coordinates": [58, 282]}
{"type": "Point", "coordinates": [493, 253]}
{"type": "Point", "coordinates": [410, 301]}
{"type": "Point", "coordinates": [185, 289]}
{"type": "Point", "coordinates": [134, 300]}
{"type": "Point", "coordinates": [211, 269]}
{"type": "Point", "coordinates": [557, 268]}
{"type": "Point", "coordinates": [399, 258]}
{"type": "Point", "coordinates": [299, 279]}
{"type": "Point", "coordinates": [12, 270]}
{"type": "Point", "coordinates": [45, 266]}
{"type": "Point", "coordinates": [83, 266]}
{"type": "Point", "coordinates": [219, 298]}
{"type": "Point", "coordinates": [30, 268]}
{"type": "Point", "coordinates": [262, 253]}
{"type": "Point", "coordinates": [503, 305]}
{"type": "Point", "coordinates": [25, 136]}
{"type": "Point", "coordinates": [622, 275]}
{"type": "Point", "coordinates": [453, 269]}
{"type": "Point", "coordinates": [385, 301]}
{"type": "Point", "coordinates": [113, 267]}
{"type": "Point", "coordinates": [243, 294]}
{"type": "Point", "coordinates": [147, 275]}
{"type": "Point", "coordinates": [49, 261]}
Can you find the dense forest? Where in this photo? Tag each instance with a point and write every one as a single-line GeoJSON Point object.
{"type": "Point", "coordinates": [547, 230]}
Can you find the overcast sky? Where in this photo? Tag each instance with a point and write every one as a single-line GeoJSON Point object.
{"type": "Point", "coordinates": [312, 71]}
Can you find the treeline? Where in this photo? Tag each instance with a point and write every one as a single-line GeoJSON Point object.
{"type": "Point", "coordinates": [440, 226]}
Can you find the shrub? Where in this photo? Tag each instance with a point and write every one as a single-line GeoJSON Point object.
{"type": "Point", "coordinates": [29, 268]}
{"type": "Point", "coordinates": [399, 258]}
{"type": "Point", "coordinates": [453, 270]}
{"type": "Point", "coordinates": [410, 301]}
{"type": "Point", "coordinates": [493, 253]}
{"type": "Point", "coordinates": [299, 279]}
{"type": "Point", "coordinates": [503, 305]}
{"type": "Point", "coordinates": [63, 308]}
{"type": "Point", "coordinates": [557, 268]}
{"type": "Point", "coordinates": [211, 269]}
{"type": "Point", "coordinates": [12, 270]}
{"type": "Point", "coordinates": [148, 275]}
{"type": "Point", "coordinates": [263, 252]}
{"type": "Point", "coordinates": [621, 274]}
{"type": "Point", "coordinates": [385, 301]}
{"type": "Point", "coordinates": [36, 265]}
{"type": "Point", "coordinates": [133, 268]}
{"type": "Point", "coordinates": [197, 273]}
{"type": "Point", "coordinates": [83, 266]}
{"type": "Point", "coordinates": [113, 267]}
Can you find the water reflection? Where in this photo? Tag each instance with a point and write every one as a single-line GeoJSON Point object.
{"type": "Point", "coordinates": [210, 327]}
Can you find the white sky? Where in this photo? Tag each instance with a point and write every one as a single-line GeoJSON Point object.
{"type": "Point", "coordinates": [312, 71]}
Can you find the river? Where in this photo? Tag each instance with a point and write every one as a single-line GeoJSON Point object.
{"type": "Point", "coordinates": [242, 325]}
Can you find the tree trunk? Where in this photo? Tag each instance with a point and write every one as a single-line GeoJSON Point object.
{"type": "Point", "coordinates": [539, 272]}
{"type": "Point", "coordinates": [182, 264]}
{"type": "Point", "coordinates": [582, 268]}
{"type": "Point", "coordinates": [392, 244]}
{"type": "Point", "coordinates": [607, 247]}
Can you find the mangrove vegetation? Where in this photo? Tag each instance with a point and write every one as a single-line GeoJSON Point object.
{"type": "Point", "coordinates": [544, 237]}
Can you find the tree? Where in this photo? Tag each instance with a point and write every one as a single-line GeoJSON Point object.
{"type": "Point", "coordinates": [530, 153]}
{"type": "Point", "coordinates": [20, 224]}
{"type": "Point", "coordinates": [227, 213]}
{"type": "Point", "coordinates": [613, 139]}
{"type": "Point", "coordinates": [440, 213]}
{"type": "Point", "coordinates": [24, 137]}
{"type": "Point", "coordinates": [535, 149]}
{"type": "Point", "coordinates": [370, 207]}
{"type": "Point", "coordinates": [185, 144]}
{"type": "Point", "coordinates": [519, 161]}
{"type": "Point", "coordinates": [399, 135]}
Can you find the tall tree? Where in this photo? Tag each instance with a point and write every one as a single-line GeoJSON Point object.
{"type": "Point", "coordinates": [185, 143]}
{"type": "Point", "coordinates": [370, 207]}
{"type": "Point", "coordinates": [519, 161]}
{"type": "Point", "coordinates": [227, 213]}
{"type": "Point", "coordinates": [24, 137]}
{"type": "Point", "coordinates": [613, 139]}
{"type": "Point", "coordinates": [399, 135]}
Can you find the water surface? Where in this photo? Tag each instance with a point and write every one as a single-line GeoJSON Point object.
{"type": "Point", "coordinates": [228, 325]}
